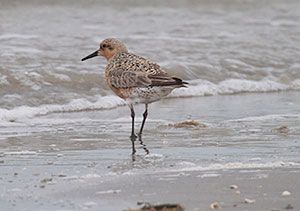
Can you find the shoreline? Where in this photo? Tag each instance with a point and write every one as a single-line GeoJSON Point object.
{"type": "Point", "coordinates": [82, 161]}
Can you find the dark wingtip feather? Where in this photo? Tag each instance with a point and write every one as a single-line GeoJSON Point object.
{"type": "Point", "coordinates": [180, 81]}
{"type": "Point", "coordinates": [167, 81]}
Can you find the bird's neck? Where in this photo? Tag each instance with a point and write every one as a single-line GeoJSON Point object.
{"type": "Point", "coordinates": [116, 55]}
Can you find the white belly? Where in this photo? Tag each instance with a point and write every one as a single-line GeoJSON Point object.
{"type": "Point", "coordinates": [149, 94]}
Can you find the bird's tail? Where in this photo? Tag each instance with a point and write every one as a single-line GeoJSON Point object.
{"type": "Point", "coordinates": [180, 82]}
{"type": "Point", "coordinates": [167, 81]}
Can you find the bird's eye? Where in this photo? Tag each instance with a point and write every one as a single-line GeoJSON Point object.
{"type": "Point", "coordinates": [104, 45]}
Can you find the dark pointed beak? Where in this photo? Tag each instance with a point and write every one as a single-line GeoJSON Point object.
{"type": "Point", "coordinates": [90, 56]}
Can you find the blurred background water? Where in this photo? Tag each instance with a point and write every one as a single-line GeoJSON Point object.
{"type": "Point", "coordinates": [221, 47]}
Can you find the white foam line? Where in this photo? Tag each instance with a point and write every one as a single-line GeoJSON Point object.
{"type": "Point", "coordinates": [22, 112]}
{"type": "Point", "coordinates": [266, 117]}
{"type": "Point", "coordinates": [238, 165]}
{"type": "Point", "coordinates": [230, 86]}
{"type": "Point", "coordinates": [219, 167]}
{"type": "Point", "coordinates": [167, 38]}
{"type": "Point", "coordinates": [25, 152]}
{"type": "Point", "coordinates": [108, 192]}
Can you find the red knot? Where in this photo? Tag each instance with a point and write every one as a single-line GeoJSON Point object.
{"type": "Point", "coordinates": [134, 79]}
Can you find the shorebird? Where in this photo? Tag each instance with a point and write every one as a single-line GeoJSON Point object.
{"type": "Point", "coordinates": [134, 79]}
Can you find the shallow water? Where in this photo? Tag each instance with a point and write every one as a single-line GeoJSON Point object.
{"type": "Point", "coordinates": [221, 48]}
{"type": "Point", "coordinates": [247, 126]}
{"type": "Point", "coordinates": [82, 160]}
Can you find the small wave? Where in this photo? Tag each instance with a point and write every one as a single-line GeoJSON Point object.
{"type": "Point", "coordinates": [274, 117]}
{"type": "Point", "coordinates": [25, 152]}
{"type": "Point", "coordinates": [105, 102]}
{"type": "Point", "coordinates": [231, 86]}
{"type": "Point", "coordinates": [238, 165]}
{"type": "Point", "coordinates": [215, 167]}
{"type": "Point", "coordinates": [284, 22]}
{"type": "Point", "coordinates": [196, 88]}
{"type": "Point", "coordinates": [17, 49]}
{"type": "Point", "coordinates": [110, 191]}
{"type": "Point", "coordinates": [17, 36]}
{"type": "Point", "coordinates": [168, 38]}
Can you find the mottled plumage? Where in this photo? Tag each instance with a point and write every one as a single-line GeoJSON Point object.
{"type": "Point", "coordinates": [134, 78]}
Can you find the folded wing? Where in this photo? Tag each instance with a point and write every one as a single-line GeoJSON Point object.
{"type": "Point", "coordinates": [142, 73]}
{"type": "Point", "coordinates": [128, 79]}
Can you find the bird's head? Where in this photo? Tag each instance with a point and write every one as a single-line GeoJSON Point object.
{"type": "Point", "coordinates": [108, 48]}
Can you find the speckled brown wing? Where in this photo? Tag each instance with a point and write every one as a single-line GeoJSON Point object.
{"type": "Point", "coordinates": [121, 78]}
{"type": "Point", "coordinates": [130, 71]}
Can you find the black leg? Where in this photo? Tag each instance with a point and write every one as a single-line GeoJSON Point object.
{"type": "Point", "coordinates": [133, 136]}
{"type": "Point", "coordinates": [145, 114]}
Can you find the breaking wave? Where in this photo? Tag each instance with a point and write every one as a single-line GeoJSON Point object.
{"type": "Point", "coordinates": [196, 88]}
{"type": "Point", "coordinates": [232, 86]}
{"type": "Point", "coordinates": [105, 102]}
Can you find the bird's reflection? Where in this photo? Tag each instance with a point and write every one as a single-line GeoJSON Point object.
{"type": "Point", "coordinates": [140, 139]}
{"type": "Point", "coordinates": [143, 145]}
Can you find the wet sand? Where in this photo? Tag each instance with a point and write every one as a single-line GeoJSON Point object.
{"type": "Point", "coordinates": [195, 190]}
{"type": "Point", "coordinates": [82, 161]}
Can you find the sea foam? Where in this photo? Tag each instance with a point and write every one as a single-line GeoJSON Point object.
{"type": "Point", "coordinates": [237, 165]}
{"type": "Point", "coordinates": [105, 102]}
{"type": "Point", "coordinates": [230, 86]}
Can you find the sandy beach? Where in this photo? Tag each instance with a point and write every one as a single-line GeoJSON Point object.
{"type": "Point", "coordinates": [82, 161]}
